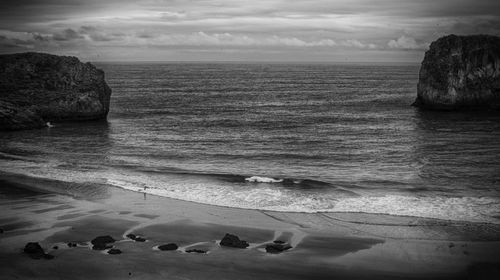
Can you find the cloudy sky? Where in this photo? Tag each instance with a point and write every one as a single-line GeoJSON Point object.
{"type": "Point", "coordinates": [240, 30]}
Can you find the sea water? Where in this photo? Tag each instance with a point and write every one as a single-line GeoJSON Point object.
{"type": "Point", "coordinates": [282, 137]}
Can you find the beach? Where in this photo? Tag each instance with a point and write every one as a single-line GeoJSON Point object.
{"type": "Point", "coordinates": [254, 172]}
{"type": "Point", "coordinates": [324, 245]}
{"type": "Point", "coordinates": [228, 140]}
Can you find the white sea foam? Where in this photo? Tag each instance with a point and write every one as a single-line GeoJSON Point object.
{"type": "Point", "coordinates": [275, 197]}
{"type": "Point", "coordinates": [258, 179]}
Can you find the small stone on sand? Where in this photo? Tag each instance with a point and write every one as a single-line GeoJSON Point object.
{"type": "Point", "coordinates": [196, 251]}
{"type": "Point", "coordinates": [168, 247]}
{"type": "Point", "coordinates": [277, 248]}
{"type": "Point", "coordinates": [114, 251]}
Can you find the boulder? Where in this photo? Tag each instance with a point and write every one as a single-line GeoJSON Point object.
{"type": "Point", "coordinates": [71, 244]}
{"type": "Point", "coordinates": [101, 242]}
{"type": "Point", "coordinates": [460, 73]}
{"type": "Point", "coordinates": [276, 248]}
{"type": "Point", "coordinates": [168, 247]}
{"type": "Point", "coordinates": [196, 251]}
{"type": "Point", "coordinates": [35, 251]}
{"type": "Point", "coordinates": [103, 239]}
{"type": "Point", "coordinates": [36, 88]}
{"type": "Point", "coordinates": [234, 241]}
{"type": "Point", "coordinates": [131, 236]}
{"type": "Point", "coordinates": [114, 251]}
{"type": "Point", "coordinates": [136, 238]}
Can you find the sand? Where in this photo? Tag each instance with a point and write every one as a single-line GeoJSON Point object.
{"type": "Point", "coordinates": [325, 245]}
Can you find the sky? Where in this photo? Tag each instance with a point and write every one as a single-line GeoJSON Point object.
{"type": "Point", "coordinates": [240, 30]}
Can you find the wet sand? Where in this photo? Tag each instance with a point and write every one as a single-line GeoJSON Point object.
{"type": "Point", "coordinates": [325, 245]}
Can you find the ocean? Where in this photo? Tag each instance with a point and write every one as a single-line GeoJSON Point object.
{"type": "Point", "coordinates": [279, 137]}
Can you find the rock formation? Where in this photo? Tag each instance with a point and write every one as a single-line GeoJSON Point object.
{"type": "Point", "coordinates": [102, 242]}
{"type": "Point", "coordinates": [114, 251]}
{"type": "Point", "coordinates": [36, 88]}
{"type": "Point", "coordinates": [234, 241]}
{"type": "Point", "coordinates": [460, 72]}
{"type": "Point", "coordinates": [168, 247]}
{"type": "Point", "coordinates": [277, 248]}
{"type": "Point", "coordinates": [35, 251]}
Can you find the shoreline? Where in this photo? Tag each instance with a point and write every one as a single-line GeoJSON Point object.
{"type": "Point", "coordinates": [30, 181]}
{"type": "Point", "coordinates": [325, 245]}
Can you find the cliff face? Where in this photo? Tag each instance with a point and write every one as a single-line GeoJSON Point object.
{"type": "Point", "coordinates": [460, 72]}
{"type": "Point", "coordinates": [36, 88]}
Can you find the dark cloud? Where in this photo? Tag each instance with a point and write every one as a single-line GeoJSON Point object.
{"type": "Point", "coordinates": [67, 35]}
{"type": "Point", "coordinates": [41, 38]}
{"type": "Point", "coordinates": [14, 44]}
{"type": "Point", "coordinates": [259, 26]}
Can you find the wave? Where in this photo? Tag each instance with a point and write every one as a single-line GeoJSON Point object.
{"type": "Point", "coordinates": [472, 209]}
{"type": "Point", "coordinates": [258, 192]}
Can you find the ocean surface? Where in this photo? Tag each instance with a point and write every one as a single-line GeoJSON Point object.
{"type": "Point", "coordinates": [283, 137]}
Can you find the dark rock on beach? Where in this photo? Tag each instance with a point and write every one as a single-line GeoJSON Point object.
{"type": "Point", "coordinates": [103, 239]}
{"type": "Point", "coordinates": [277, 248]}
{"type": "Point", "coordinates": [35, 251]}
{"type": "Point", "coordinates": [36, 88]}
{"type": "Point", "coordinates": [278, 241]}
{"type": "Point", "coordinates": [71, 244]}
{"type": "Point", "coordinates": [131, 236]}
{"type": "Point", "coordinates": [1, 230]}
{"type": "Point", "coordinates": [168, 247]}
{"type": "Point", "coordinates": [102, 242]}
{"type": "Point", "coordinates": [136, 238]}
{"type": "Point", "coordinates": [460, 73]}
{"type": "Point", "coordinates": [230, 240]}
{"type": "Point", "coordinates": [114, 251]}
{"type": "Point", "coordinates": [196, 251]}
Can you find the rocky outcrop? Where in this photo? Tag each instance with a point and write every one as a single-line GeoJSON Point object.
{"type": "Point", "coordinates": [277, 248]}
{"type": "Point", "coordinates": [36, 88]}
{"type": "Point", "coordinates": [136, 238]}
{"type": "Point", "coordinates": [196, 251]}
{"type": "Point", "coordinates": [114, 251]}
{"type": "Point", "coordinates": [460, 73]}
{"type": "Point", "coordinates": [234, 241]}
{"type": "Point", "coordinates": [168, 247]}
{"type": "Point", "coordinates": [102, 242]}
{"type": "Point", "coordinates": [35, 251]}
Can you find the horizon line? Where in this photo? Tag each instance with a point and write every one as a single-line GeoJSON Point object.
{"type": "Point", "coordinates": [253, 62]}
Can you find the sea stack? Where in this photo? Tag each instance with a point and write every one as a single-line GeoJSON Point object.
{"type": "Point", "coordinates": [36, 88]}
{"type": "Point", "coordinates": [460, 73]}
